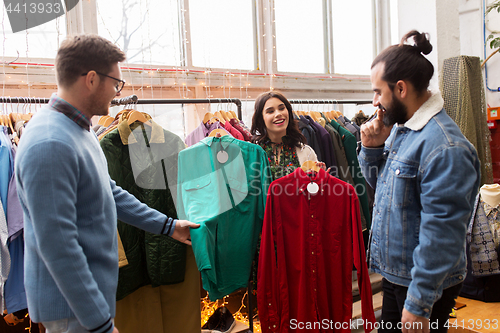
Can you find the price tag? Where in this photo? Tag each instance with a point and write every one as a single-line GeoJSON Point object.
{"type": "Point", "coordinates": [222, 156]}
{"type": "Point", "coordinates": [312, 188]}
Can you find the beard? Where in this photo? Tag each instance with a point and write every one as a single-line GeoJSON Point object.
{"type": "Point", "coordinates": [396, 112]}
{"type": "Point", "coordinates": [98, 105]}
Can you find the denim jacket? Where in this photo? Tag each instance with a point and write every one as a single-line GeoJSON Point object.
{"type": "Point", "coordinates": [427, 176]}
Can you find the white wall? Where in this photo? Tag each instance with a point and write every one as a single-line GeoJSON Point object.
{"type": "Point", "coordinates": [456, 28]}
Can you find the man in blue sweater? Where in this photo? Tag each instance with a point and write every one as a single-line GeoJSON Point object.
{"type": "Point", "coordinates": [70, 203]}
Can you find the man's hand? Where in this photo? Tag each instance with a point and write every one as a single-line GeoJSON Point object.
{"type": "Point", "coordinates": [414, 324]}
{"type": "Point", "coordinates": [115, 330]}
{"type": "Point", "coordinates": [374, 133]}
{"type": "Point", "coordinates": [181, 232]}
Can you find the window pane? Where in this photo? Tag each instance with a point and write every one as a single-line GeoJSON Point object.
{"type": "Point", "coordinates": [299, 36]}
{"type": "Point", "coordinates": [222, 34]}
{"type": "Point", "coordinates": [146, 30]}
{"type": "Point", "coordinates": [352, 36]}
{"type": "Point", "coordinates": [38, 42]}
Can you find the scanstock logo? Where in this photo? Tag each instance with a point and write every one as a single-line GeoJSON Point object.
{"type": "Point", "coordinates": [26, 14]}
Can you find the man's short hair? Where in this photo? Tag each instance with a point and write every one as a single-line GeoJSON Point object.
{"type": "Point", "coordinates": [82, 53]}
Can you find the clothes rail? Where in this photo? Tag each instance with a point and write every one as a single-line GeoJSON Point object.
{"type": "Point", "coordinates": [23, 100]}
{"type": "Point", "coordinates": [330, 101]}
{"type": "Point", "coordinates": [126, 100]}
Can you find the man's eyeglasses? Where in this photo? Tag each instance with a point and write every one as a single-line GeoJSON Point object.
{"type": "Point", "coordinates": [119, 85]}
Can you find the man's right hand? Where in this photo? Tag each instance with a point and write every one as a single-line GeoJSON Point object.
{"type": "Point", "coordinates": [374, 133]}
{"type": "Point", "coordinates": [181, 232]}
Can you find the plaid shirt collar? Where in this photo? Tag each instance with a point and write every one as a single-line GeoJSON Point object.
{"type": "Point", "coordinates": [59, 104]}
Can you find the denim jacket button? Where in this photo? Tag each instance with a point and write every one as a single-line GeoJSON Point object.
{"type": "Point", "coordinates": [398, 172]}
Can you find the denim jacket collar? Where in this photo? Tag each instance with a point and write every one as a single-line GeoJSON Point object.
{"type": "Point", "coordinates": [429, 109]}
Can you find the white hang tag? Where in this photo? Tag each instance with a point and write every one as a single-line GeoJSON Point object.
{"type": "Point", "coordinates": [222, 156]}
{"type": "Point", "coordinates": [312, 188]}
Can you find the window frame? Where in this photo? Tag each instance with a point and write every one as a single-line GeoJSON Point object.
{"type": "Point", "coordinates": [83, 19]}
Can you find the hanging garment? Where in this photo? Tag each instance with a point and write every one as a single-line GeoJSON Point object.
{"type": "Point", "coordinates": [308, 247]}
{"type": "Point", "coordinates": [139, 159]}
{"type": "Point", "coordinates": [310, 133]}
{"type": "Point", "coordinates": [143, 160]}
{"type": "Point", "coordinates": [325, 142]}
{"type": "Point", "coordinates": [233, 131]}
{"type": "Point", "coordinates": [350, 145]}
{"type": "Point", "coordinates": [342, 167]}
{"type": "Point", "coordinates": [5, 170]}
{"type": "Point", "coordinates": [223, 184]}
{"type": "Point", "coordinates": [163, 309]}
{"type": "Point", "coordinates": [4, 255]}
{"type": "Point", "coordinates": [482, 240]}
{"type": "Point", "coordinates": [201, 132]}
{"type": "Point", "coordinates": [319, 149]}
{"type": "Point", "coordinates": [237, 124]}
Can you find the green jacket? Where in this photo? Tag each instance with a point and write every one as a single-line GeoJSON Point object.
{"type": "Point", "coordinates": [143, 161]}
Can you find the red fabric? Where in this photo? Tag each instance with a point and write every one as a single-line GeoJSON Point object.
{"type": "Point", "coordinates": [233, 131]}
{"type": "Point", "coordinates": [246, 134]}
{"type": "Point", "coordinates": [309, 244]}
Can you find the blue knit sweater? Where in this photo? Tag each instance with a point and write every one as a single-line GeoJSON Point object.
{"type": "Point", "coordinates": [70, 209]}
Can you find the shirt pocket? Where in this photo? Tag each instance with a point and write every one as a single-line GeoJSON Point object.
{"type": "Point", "coordinates": [405, 178]}
{"type": "Point", "coordinates": [197, 196]}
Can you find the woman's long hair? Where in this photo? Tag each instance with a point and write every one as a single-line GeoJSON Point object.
{"type": "Point", "coordinates": [259, 130]}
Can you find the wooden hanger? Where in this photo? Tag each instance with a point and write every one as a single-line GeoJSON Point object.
{"type": "Point", "coordinates": [322, 122]}
{"type": "Point", "coordinates": [219, 115]}
{"type": "Point", "coordinates": [217, 131]}
{"type": "Point", "coordinates": [105, 121]}
{"type": "Point", "coordinates": [134, 116]}
{"type": "Point", "coordinates": [228, 115]}
{"type": "Point", "coordinates": [234, 114]}
{"type": "Point", "coordinates": [327, 117]}
{"type": "Point", "coordinates": [208, 116]}
{"type": "Point", "coordinates": [310, 165]}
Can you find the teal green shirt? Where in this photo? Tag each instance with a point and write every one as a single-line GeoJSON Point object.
{"type": "Point", "coordinates": [223, 185]}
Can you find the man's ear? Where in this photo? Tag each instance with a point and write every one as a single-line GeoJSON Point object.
{"type": "Point", "coordinates": [92, 81]}
{"type": "Point", "coordinates": [401, 89]}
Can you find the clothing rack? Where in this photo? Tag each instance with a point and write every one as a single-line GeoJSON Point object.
{"type": "Point", "coordinates": [330, 101]}
{"type": "Point", "coordinates": [23, 100]}
{"type": "Point", "coordinates": [133, 99]}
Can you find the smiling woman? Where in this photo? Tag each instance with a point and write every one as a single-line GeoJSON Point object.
{"type": "Point", "coordinates": [276, 131]}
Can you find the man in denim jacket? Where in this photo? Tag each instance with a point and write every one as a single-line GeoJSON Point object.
{"type": "Point", "coordinates": [427, 176]}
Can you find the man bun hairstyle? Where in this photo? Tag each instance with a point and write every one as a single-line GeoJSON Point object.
{"type": "Point", "coordinates": [82, 53]}
{"type": "Point", "coordinates": [407, 62]}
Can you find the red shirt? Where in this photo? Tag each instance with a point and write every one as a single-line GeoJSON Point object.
{"type": "Point", "coordinates": [246, 134]}
{"type": "Point", "coordinates": [309, 244]}
{"type": "Point", "coordinates": [233, 131]}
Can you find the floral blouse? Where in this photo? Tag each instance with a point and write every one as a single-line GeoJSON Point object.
{"type": "Point", "coordinates": [282, 158]}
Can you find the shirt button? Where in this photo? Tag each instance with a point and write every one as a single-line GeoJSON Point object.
{"type": "Point", "coordinates": [314, 271]}
{"type": "Point", "coordinates": [312, 216]}
{"type": "Point", "coordinates": [312, 235]}
{"type": "Point", "coordinates": [269, 304]}
{"type": "Point", "coordinates": [274, 326]}
{"type": "Point", "coordinates": [394, 152]}
{"type": "Point", "coordinates": [312, 252]}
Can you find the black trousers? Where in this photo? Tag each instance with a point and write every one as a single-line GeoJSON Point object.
{"type": "Point", "coordinates": [393, 303]}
